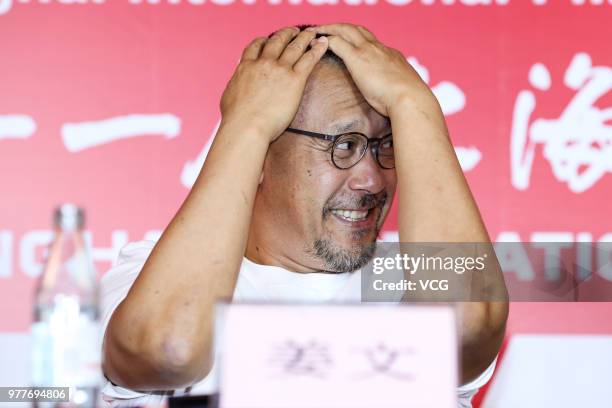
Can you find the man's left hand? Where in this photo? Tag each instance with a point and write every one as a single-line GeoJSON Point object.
{"type": "Point", "coordinates": [381, 73]}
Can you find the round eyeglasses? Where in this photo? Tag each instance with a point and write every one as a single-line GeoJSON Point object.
{"type": "Point", "coordinates": [349, 148]}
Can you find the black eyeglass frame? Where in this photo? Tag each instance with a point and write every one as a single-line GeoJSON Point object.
{"type": "Point", "coordinates": [371, 144]}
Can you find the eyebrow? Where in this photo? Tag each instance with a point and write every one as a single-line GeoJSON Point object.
{"type": "Point", "coordinates": [345, 126]}
{"type": "Point", "coordinates": [342, 127]}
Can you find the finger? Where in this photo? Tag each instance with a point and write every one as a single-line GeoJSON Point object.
{"type": "Point", "coordinates": [277, 43]}
{"type": "Point", "coordinates": [252, 51]}
{"type": "Point", "coordinates": [367, 33]}
{"type": "Point", "coordinates": [310, 58]}
{"type": "Point", "coordinates": [347, 31]}
{"type": "Point", "coordinates": [295, 49]}
{"type": "Point", "coordinates": [342, 48]}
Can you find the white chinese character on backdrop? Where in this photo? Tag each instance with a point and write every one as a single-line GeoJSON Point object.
{"type": "Point", "coordinates": [85, 135]}
{"type": "Point", "coordinates": [577, 144]}
{"type": "Point", "coordinates": [16, 126]}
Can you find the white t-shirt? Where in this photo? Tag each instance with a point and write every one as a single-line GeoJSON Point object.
{"type": "Point", "coordinates": [255, 283]}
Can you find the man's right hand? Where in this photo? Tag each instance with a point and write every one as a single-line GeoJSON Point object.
{"type": "Point", "coordinates": [267, 86]}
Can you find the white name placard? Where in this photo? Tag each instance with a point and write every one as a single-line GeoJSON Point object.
{"type": "Point", "coordinates": [307, 356]}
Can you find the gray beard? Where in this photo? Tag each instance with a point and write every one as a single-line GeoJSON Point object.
{"type": "Point", "coordinates": [338, 260]}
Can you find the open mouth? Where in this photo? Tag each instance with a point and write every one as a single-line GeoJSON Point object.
{"type": "Point", "coordinates": [352, 215]}
{"type": "Point", "coordinates": [357, 213]}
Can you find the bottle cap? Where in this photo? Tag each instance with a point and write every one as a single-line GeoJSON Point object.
{"type": "Point", "coordinates": [69, 216]}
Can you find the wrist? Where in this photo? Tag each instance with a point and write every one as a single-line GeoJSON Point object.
{"type": "Point", "coordinates": [421, 100]}
{"type": "Point", "coordinates": [245, 130]}
{"type": "Point", "coordinates": [418, 114]}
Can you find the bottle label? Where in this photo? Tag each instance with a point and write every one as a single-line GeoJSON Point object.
{"type": "Point", "coordinates": [66, 347]}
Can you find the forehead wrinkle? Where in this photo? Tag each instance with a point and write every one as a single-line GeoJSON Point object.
{"type": "Point", "coordinates": [368, 121]}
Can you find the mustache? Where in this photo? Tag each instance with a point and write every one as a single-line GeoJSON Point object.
{"type": "Point", "coordinates": [363, 202]}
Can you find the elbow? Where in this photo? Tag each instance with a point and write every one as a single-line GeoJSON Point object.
{"type": "Point", "coordinates": [180, 362]}
{"type": "Point", "coordinates": [482, 337]}
{"type": "Point", "coordinates": [153, 363]}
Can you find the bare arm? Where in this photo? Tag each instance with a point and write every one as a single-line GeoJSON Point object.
{"type": "Point", "coordinates": [160, 336]}
{"type": "Point", "coordinates": [435, 203]}
{"type": "Point", "coordinates": [163, 327]}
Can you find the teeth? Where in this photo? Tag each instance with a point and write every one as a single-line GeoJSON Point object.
{"type": "Point", "coordinates": [351, 215]}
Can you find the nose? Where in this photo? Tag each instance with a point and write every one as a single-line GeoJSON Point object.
{"type": "Point", "coordinates": [367, 175]}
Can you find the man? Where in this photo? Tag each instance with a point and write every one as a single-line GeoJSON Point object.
{"type": "Point", "coordinates": [284, 209]}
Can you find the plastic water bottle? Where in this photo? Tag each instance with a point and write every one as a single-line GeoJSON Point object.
{"type": "Point", "coordinates": [66, 344]}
